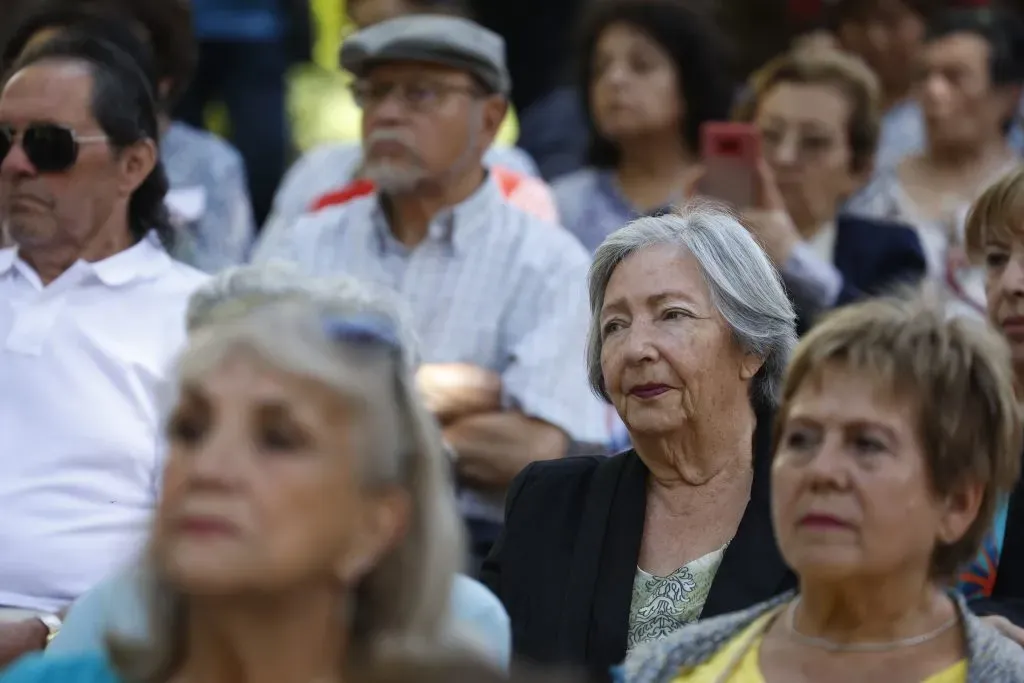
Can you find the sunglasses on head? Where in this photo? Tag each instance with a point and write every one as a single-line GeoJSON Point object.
{"type": "Point", "coordinates": [371, 331]}
{"type": "Point", "coordinates": [50, 148]}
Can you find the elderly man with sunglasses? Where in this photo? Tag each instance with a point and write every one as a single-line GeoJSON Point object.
{"type": "Point", "coordinates": [498, 296]}
{"type": "Point", "coordinates": [91, 315]}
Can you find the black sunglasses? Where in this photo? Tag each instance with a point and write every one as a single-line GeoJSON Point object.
{"type": "Point", "coordinates": [50, 148]}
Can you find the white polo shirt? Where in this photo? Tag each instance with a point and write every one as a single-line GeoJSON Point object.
{"type": "Point", "coordinates": [81, 361]}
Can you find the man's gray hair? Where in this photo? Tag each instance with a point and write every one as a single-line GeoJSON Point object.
{"type": "Point", "coordinates": [238, 290]}
{"type": "Point", "coordinates": [744, 285]}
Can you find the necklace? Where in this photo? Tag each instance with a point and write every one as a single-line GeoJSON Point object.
{"type": "Point", "coordinates": [832, 646]}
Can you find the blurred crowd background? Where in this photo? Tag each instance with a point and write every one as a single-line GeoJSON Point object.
{"type": "Point", "coordinates": [646, 341]}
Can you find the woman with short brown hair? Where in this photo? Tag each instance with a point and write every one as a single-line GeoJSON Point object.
{"type": "Point", "coordinates": [817, 112]}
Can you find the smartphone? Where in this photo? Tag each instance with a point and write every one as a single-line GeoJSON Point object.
{"type": "Point", "coordinates": [730, 153]}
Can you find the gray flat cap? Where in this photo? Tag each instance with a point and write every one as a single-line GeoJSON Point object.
{"type": "Point", "coordinates": [449, 41]}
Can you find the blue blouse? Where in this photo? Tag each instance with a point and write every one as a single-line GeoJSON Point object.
{"type": "Point", "coordinates": [591, 206]}
{"type": "Point", "coordinates": [979, 577]}
{"type": "Point", "coordinates": [64, 668]}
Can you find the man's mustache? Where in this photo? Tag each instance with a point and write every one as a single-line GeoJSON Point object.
{"type": "Point", "coordinates": [393, 136]}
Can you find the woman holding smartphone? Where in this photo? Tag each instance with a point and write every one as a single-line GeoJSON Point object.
{"type": "Point", "coordinates": [817, 114]}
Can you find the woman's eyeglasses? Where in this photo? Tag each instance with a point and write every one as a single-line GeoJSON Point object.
{"type": "Point", "coordinates": [50, 148]}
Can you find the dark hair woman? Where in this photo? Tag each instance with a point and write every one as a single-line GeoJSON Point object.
{"type": "Point", "coordinates": [653, 71]}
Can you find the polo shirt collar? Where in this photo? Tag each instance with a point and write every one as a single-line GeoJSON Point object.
{"type": "Point", "coordinates": [144, 260]}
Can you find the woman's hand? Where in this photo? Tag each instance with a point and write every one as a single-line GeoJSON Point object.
{"type": "Point", "coordinates": [1006, 627]}
{"type": "Point", "coordinates": [768, 220]}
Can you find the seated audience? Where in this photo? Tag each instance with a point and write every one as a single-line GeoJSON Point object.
{"type": "Point", "coordinates": [969, 87]}
{"type": "Point", "coordinates": [91, 313]}
{"type": "Point", "coordinates": [817, 112]}
{"type": "Point", "coordinates": [654, 71]}
{"type": "Point", "coordinates": [116, 605]}
{"type": "Point", "coordinates": [208, 196]}
{"type": "Point", "coordinates": [306, 522]}
{"type": "Point", "coordinates": [690, 333]}
{"type": "Point", "coordinates": [897, 435]}
{"type": "Point", "coordinates": [497, 295]}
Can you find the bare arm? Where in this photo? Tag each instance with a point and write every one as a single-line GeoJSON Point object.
{"type": "Point", "coordinates": [493, 448]}
{"type": "Point", "coordinates": [20, 638]}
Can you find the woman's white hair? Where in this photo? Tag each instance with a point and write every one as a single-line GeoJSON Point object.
{"type": "Point", "coordinates": [403, 601]}
{"type": "Point", "coordinates": [744, 285]}
{"type": "Point", "coordinates": [238, 290]}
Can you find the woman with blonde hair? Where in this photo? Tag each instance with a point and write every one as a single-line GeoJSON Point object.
{"type": "Point", "coordinates": [897, 434]}
{"type": "Point", "coordinates": [994, 237]}
{"type": "Point", "coordinates": [307, 521]}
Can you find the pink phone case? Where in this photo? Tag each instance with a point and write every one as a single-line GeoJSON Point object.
{"type": "Point", "coordinates": [730, 153]}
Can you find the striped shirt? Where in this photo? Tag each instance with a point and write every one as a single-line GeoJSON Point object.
{"type": "Point", "coordinates": [490, 285]}
{"type": "Point", "coordinates": [330, 167]}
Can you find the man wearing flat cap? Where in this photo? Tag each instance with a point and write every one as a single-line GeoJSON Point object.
{"type": "Point", "coordinates": [330, 172]}
{"type": "Point", "coordinates": [498, 295]}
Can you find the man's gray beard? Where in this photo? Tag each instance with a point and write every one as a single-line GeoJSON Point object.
{"type": "Point", "coordinates": [393, 178]}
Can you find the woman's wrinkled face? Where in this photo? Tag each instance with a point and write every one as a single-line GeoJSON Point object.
{"type": "Point", "coordinates": [851, 495]}
{"type": "Point", "coordinates": [668, 357]}
{"type": "Point", "coordinates": [1004, 290]}
{"type": "Point", "coordinates": [261, 489]}
{"type": "Point", "coordinates": [633, 88]}
{"type": "Point", "coordinates": [804, 131]}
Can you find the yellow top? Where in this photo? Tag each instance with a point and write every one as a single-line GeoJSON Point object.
{"type": "Point", "coordinates": [747, 669]}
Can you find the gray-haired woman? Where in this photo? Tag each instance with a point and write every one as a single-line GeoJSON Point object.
{"type": "Point", "coordinates": [306, 516]}
{"type": "Point", "coordinates": [691, 330]}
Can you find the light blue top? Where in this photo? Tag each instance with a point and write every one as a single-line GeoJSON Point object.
{"type": "Point", "coordinates": [591, 206]}
{"type": "Point", "coordinates": [903, 133]}
{"type": "Point", "coordinates": [91, 667]}
{"type": "Point", "coordinates": [116, 605]}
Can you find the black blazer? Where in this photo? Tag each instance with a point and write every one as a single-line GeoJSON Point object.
{"type": "Point", "coordinates": [565, 562]}
{"type": "Point", "coordinates": [873, 254]}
